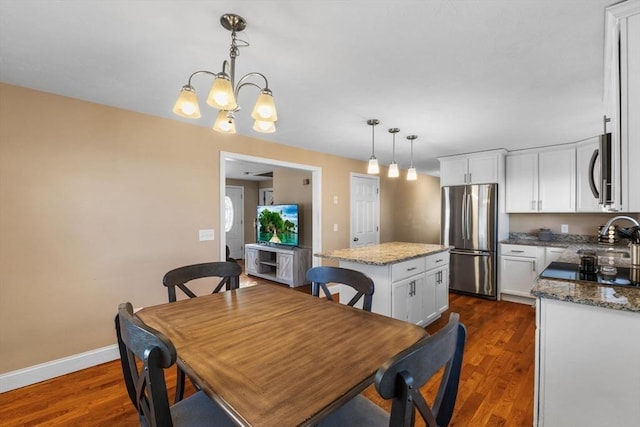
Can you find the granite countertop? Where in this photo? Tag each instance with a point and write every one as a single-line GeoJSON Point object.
{"type": "Point", "coordinates": [582, 292]}
{"type": "Point", "coordinates": [384, 253]}
{"type": "Point", "coordinates": [616, 297]}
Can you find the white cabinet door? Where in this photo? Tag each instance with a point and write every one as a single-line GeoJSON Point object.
{"type": "Point", "coordinates": [406, 299]}
{"type": "Point", "coordinates": [587, 174]}
{"type": "Point", "coordinates": [251, 260]}
{"type": "Point", "coordinates": [556, 180]}
{"type": "Point", "coordinates": [476, 168]}
{"type": "Point", "coordinates": [541, 181]}
{"type": "Point", "coordinates": [517, 275]}
{"type": "Point", "coordinates": [429, 298]}
{"type": "Point", "coordinates": [453, 171]}
{"type": "Point", "coordinates": [284, 269]}
{"type": "Point", "coordinates": [483, 169]}
{"type": "Point", "coordinates": [522, 182]}
{"type": "Point", "coordinates": [588, 372]}
{"type": "Point", "coordinates": [550, 255]}
{"type": "Point", "coordinates": [630, 108]}
{"type": "Point", "coordinates": [442, 290]}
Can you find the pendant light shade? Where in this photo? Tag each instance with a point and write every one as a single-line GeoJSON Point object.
{"type": "Point", "coordinates": [265, 108]}
{"type": "Point", "coordinates": [225, 122]}
{"type": "Point", "coordinates": [373, 167]}
{"type": "Point", "coordinates": [393, 167]}
{"type": "Point", "coordinates": [264, 127]}
{"type": "Point", "coordinates": [187, 103]}
{"type": "Point", "coordinates": [221, 94]}
{"type": "Point", "coordinates": [412, 175]}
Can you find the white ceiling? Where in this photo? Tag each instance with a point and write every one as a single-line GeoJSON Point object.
{"type": "Point", "coordinates": [463, 75]}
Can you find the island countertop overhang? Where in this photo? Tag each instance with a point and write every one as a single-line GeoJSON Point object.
{"type": "Point", "coordinates": [384, 253]}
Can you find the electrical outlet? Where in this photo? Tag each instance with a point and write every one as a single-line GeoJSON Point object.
{"type": "Point", "coordinates": [335, 200]}
{"type": "Point", "coordinates": [205, 235]}
{"type": "Point", "coordinates": [564, 228]}
{"type": "Point", "coordinates": [335, 227]}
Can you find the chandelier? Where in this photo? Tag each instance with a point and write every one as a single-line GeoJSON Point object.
{"type": "Point", "coordinates": [224, 90]}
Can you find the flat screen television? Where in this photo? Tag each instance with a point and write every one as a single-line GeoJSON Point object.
{"type": "Point", "coordinates": [278, 224]}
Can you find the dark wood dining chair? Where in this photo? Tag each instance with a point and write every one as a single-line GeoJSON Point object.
{"type": "Point", "coordinates": [360, 282]}
{"type": "Point", "coordinates": [144, 355]}
{"type": "Point", "coordinates": [400, 379]}
{"type": "Point", "coordinates": [229, 274]}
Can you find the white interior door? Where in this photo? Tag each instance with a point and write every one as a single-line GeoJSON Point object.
{"type": "Point", "coordinates": [233, 220]}
{"type": "Point", "coordinates": [365, 210]}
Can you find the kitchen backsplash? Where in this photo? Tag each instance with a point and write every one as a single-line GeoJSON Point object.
{"type": "Point", "coordinates": [579, 223]}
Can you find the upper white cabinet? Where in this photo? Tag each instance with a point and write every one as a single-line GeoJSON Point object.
{"type": "Point", "coordinates": [622, 99]}
{"type": "Point", "coordinates": [476, 168]}
{"type": "Point", "coordinates": [541, 180]}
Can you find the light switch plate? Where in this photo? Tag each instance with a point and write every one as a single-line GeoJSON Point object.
{"type": "Point", "coordinates": [205, 235]}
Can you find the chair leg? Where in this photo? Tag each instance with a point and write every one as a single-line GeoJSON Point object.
{"type": "Point", "coordinates": [179, 384]}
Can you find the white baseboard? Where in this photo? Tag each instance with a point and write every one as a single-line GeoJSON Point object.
{"type": "Point", "coordinates": [45, 371]}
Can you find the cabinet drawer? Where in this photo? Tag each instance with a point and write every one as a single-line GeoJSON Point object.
{"type": "Point", "coordinates": [519, 250]}
{"type": "Point", "coordinates": [408, 268]}
{"type": "Point", "coordinates": [437, 260]}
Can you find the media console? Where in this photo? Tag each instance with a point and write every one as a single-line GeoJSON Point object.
{"type": "Point", "coordinates": [280, 264]}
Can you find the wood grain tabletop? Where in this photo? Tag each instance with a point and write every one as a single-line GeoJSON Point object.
{"type": "Point", "coordinates": [272, 356]}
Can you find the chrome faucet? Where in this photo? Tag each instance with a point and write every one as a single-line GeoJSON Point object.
{"type": "Point", "coordinates": [605, 229]}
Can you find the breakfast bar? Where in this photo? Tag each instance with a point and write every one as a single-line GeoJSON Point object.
{"type": "Point", "coordinates": [411, 279]}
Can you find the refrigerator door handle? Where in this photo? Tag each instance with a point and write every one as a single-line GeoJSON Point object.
{"type": "Point", "coordinates": [463, 215]}
{"type": "Point", "coordinates": [455, 252]}
{"type": "Point", "coordinates": [466, 204]}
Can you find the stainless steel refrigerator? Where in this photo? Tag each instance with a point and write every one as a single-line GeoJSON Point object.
{"type": "Point", "coordinates": [470, 225]}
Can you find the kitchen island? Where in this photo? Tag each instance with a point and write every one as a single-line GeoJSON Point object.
{"type": "Point", "coordinates": [411, 279]}
{"type": "Point", "coordinates": [588, 352]}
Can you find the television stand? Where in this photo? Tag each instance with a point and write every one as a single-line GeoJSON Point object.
{"type": "Point", "coordinates": [283, 265]}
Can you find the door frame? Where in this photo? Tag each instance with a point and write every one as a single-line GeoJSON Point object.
{"type": "Point", "coordinates": [316, 188]}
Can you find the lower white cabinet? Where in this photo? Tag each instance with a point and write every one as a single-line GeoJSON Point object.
{"type": "Point", "coordinates": [519, 269]}
{"type": "Point", "coordinates": [284, 265]}
{"type": "Point", "coordinates": [587, 370]}
{"type": "Point", "coordinates": [416, 290]}
{"type": "Point", "coordinates": [551, 254]}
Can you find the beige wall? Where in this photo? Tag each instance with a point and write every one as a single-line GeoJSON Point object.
{"type": "Point", "coordinates": [419, 221]}
{"type": "Point", "coordinates": [289, 187]}
{"type": "Point", "coordinates": [97, 203]}
{"type": "Point", "coordinates": [581, 223]}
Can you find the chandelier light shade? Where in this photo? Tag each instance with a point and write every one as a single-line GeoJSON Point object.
{"type": "Point", "coordinates": [187, 103]}
{"type": "Point", "coordinates": [393, 167]}
{"type": "Point", "coordinates": [225, 122]}
{"type": "Point", "coordinates": [373, 167]}
{"type": "Point", "coordinates": [411, 173]}
{"type": "Point", "coordinates": [224, 89]}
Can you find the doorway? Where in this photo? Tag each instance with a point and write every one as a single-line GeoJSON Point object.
{"type": "Point", "coordinates": [316, 188]}
{"type": "Point", "coordinates": [234, 220]}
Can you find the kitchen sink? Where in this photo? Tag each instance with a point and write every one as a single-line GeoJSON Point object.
{"type": "Point", "coordinates": [619, 253]}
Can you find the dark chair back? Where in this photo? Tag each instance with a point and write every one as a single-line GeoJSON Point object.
{"type": "Point", "coordinates": [228, 272]}
{"type": "Point", "coordinates": [400, 378]}
{"type": "Point", "coordinates": [155, 352]}
{"type": "Point", "coordinates": [360, 282]}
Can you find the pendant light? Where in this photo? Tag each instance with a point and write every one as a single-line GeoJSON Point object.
{"type": "Point", "coordinates": [411, 173]}
{"type": "Point", "coordinates": [393, 167]}
{"type": "Point", "coordinates": [373, 167]}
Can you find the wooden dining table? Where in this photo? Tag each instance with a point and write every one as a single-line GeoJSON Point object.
{"type": "Point", "coordinates": [274, 356]}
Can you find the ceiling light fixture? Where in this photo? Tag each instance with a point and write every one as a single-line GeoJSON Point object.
{"type": "Point", "coordinates": [223, 93]}
{"type": "Point", "coordinates": [411, 173]}
{"type": "Point", "coordinates": [393, 167]}
{"type": "Point", "coordinates": [373, 167]}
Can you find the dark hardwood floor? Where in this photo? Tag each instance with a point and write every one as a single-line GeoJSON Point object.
{"type": "Point", "coordinates": [496, 387]}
